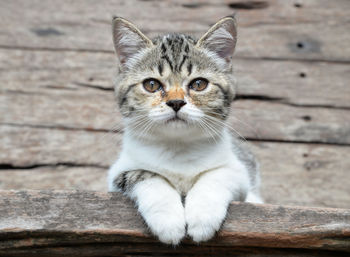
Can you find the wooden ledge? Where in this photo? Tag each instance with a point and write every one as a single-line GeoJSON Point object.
{"type": "Point", "coordinates": [80, 223]}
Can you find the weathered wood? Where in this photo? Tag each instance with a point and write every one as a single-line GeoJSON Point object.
{"type": "Point", "coordinates": [26, 146]}
{"type": "Point", "coordinates": [289, 29]}
{"type": "Point", "coordinates": [54, 177]}
{"type": "Point", "coordinates": [298, 174]}
{"type": "Point", "coordinates": [56, 222]}
{"type": "Point", "coordinates": [304, 174]}
{"type": "Point", "coordinates": [269, 121]}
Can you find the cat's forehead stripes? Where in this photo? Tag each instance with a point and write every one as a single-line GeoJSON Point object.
{"type": "Point", "coordinates": [175, 50]}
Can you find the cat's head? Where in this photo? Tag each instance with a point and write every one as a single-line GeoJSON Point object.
{"type": "Point", "coordinates": [175, 86]}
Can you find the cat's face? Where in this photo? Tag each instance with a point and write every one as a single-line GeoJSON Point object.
{"type": "Point", "coordinates": [175, 86]}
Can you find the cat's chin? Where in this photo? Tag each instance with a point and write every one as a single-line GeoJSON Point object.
{"type": "Point", "coordinates": [176, 120]}
{"type": "Point", "coordinates": [180, 130]}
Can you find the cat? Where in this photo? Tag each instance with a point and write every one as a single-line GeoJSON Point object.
{"type": "Point", "coordinates": [179, 161]}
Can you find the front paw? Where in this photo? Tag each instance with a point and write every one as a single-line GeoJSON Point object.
{"type": "Point", "coordinates": [203, 221]}
{"type": "Point", "coordinates": [169, 227]}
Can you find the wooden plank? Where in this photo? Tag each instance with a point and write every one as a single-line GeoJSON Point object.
{"type": "Point", "coordinates": [308, 84]}
{"type": "Point", "coordinates": [304, 174]}
{"type": "Point", "coordinates": [27, 146]}
{"type": "Point", "coordinates": [67, 110]}
{"type": "Point", "coordinates": [293, 82]}
{"type": "Point", "coordinates": [54, 177]}
{"type": "Point", "coordinates": [282, 29]}
{"type": "Point", "coordinates": [298, 174]}
{"type": "Point", "coordinates": [56, 222]}
{"type": "Point", "coordinates": [274, 121]}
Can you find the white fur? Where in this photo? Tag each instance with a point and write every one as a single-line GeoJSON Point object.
{"type": "Point", "coordinates": [209, 173]}
{"type": "Point", "coordinates": [161, 207]}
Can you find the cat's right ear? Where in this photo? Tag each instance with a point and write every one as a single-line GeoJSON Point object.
{"type": "Point", "coordinates": [128, 40]}
{"type": "Point", "coordinates": [221, 38]}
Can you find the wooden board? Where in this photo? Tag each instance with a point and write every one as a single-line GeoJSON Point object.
{"type": "Point", "coordinates": [314, 30]}
{"type": "Point", "coordinates": [54, 177]}
{"type": "Point", "coordinates": [59, 223]}
{"type": "Point", "coordinates": [25, 146]}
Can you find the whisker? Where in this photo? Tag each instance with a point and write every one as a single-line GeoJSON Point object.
{"type": "Point", "coordinates": [235, 118]}
{"type": "Point", "coordinates": [226, 125]}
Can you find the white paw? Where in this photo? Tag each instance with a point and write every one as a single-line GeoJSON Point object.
{"type": "Point", "coordinates": [169, 227]}
{"type": "Point", "coordinates": [203, 221]}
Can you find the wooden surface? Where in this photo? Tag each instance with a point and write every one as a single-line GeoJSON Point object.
{"type": "Point", "coordinates": [59, 127]}
{"type": "Point", "coordinates": [57, 223]}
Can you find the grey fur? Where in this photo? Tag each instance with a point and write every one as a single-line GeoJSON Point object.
{"type": "Point", "coordinates": [178, 53]}
{"type": "Point", "coordinates": [127, 180]}
{"type": "Point", "coordinates": [246, 156]}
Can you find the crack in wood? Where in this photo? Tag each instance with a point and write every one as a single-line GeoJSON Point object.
{"type": "Point", "coordinates": [316, 106]}
{"type": "Point", "coordinates": [285, 101]}
{"type": "Point", "coordinates": [249, 5]}
{"type": "Point", "coordinates": [258, 97]}
{"type": "Point", "coordinates": [60, 127]}
{"type": "Point", "coordinates": [9, 166]}
{"type": "Point", "coordinates": [63, 49]}
{"type": "Point", "coordinates": [271, 140]}
{"type": "Point", "coordinates": [288, 59]}
{"type": "Point", "coordinates": [99, 87]}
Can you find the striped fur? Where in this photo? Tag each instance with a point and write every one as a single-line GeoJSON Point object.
{"type": "Point", "coordinates": [175, 59]}
{"type": "Point", "coordinates": [128, 179]}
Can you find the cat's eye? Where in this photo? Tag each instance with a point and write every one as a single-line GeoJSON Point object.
{"type": "Point", "coordinates": [198, 84]}
{"type": "Point", "coordinates": [152, 85]}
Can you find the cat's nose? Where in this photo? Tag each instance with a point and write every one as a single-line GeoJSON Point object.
{"type": "Point", "coordinates": [176, 104]}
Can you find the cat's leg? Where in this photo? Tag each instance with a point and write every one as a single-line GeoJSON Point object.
{"type": "Point", "coordinates": [207, 201]}
{"type": "Point", "coordinates": [158, 202]}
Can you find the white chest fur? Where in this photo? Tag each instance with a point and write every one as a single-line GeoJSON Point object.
{"type": "Point", "coordinates": [178, 162]}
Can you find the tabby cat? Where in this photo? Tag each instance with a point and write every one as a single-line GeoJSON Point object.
{"type": "Point", "coordinates": [179, 161]}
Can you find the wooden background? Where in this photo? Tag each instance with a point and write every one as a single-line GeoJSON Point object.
{"type": "Point", "coordinates": [57, 110]}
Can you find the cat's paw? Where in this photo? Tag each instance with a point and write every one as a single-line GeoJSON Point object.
{"type": "Point", "coordinates": [169, 227]}
{"type": "Point", "coordinates": [203, 221]}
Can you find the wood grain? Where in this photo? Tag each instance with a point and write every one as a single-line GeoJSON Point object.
{"type": "Point", "coordinates": [56, 222]}
{"type": "Point", "coordinates": [26, 146]}
{"type": "Point", "coordinates": [279, 28]}
{"type": "Point", "coordinates": [54, 177]}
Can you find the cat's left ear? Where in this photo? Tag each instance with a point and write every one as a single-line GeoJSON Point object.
{"type": "Point", "coordinates": [221, 38]}
{"type": "Point", "coordinates": [128, 40]}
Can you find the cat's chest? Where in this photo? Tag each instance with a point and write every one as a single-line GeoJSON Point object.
{"type": "Point", "coordinates": [181, 182]}
{"type": "Point", "coordinates": [178, 162]}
